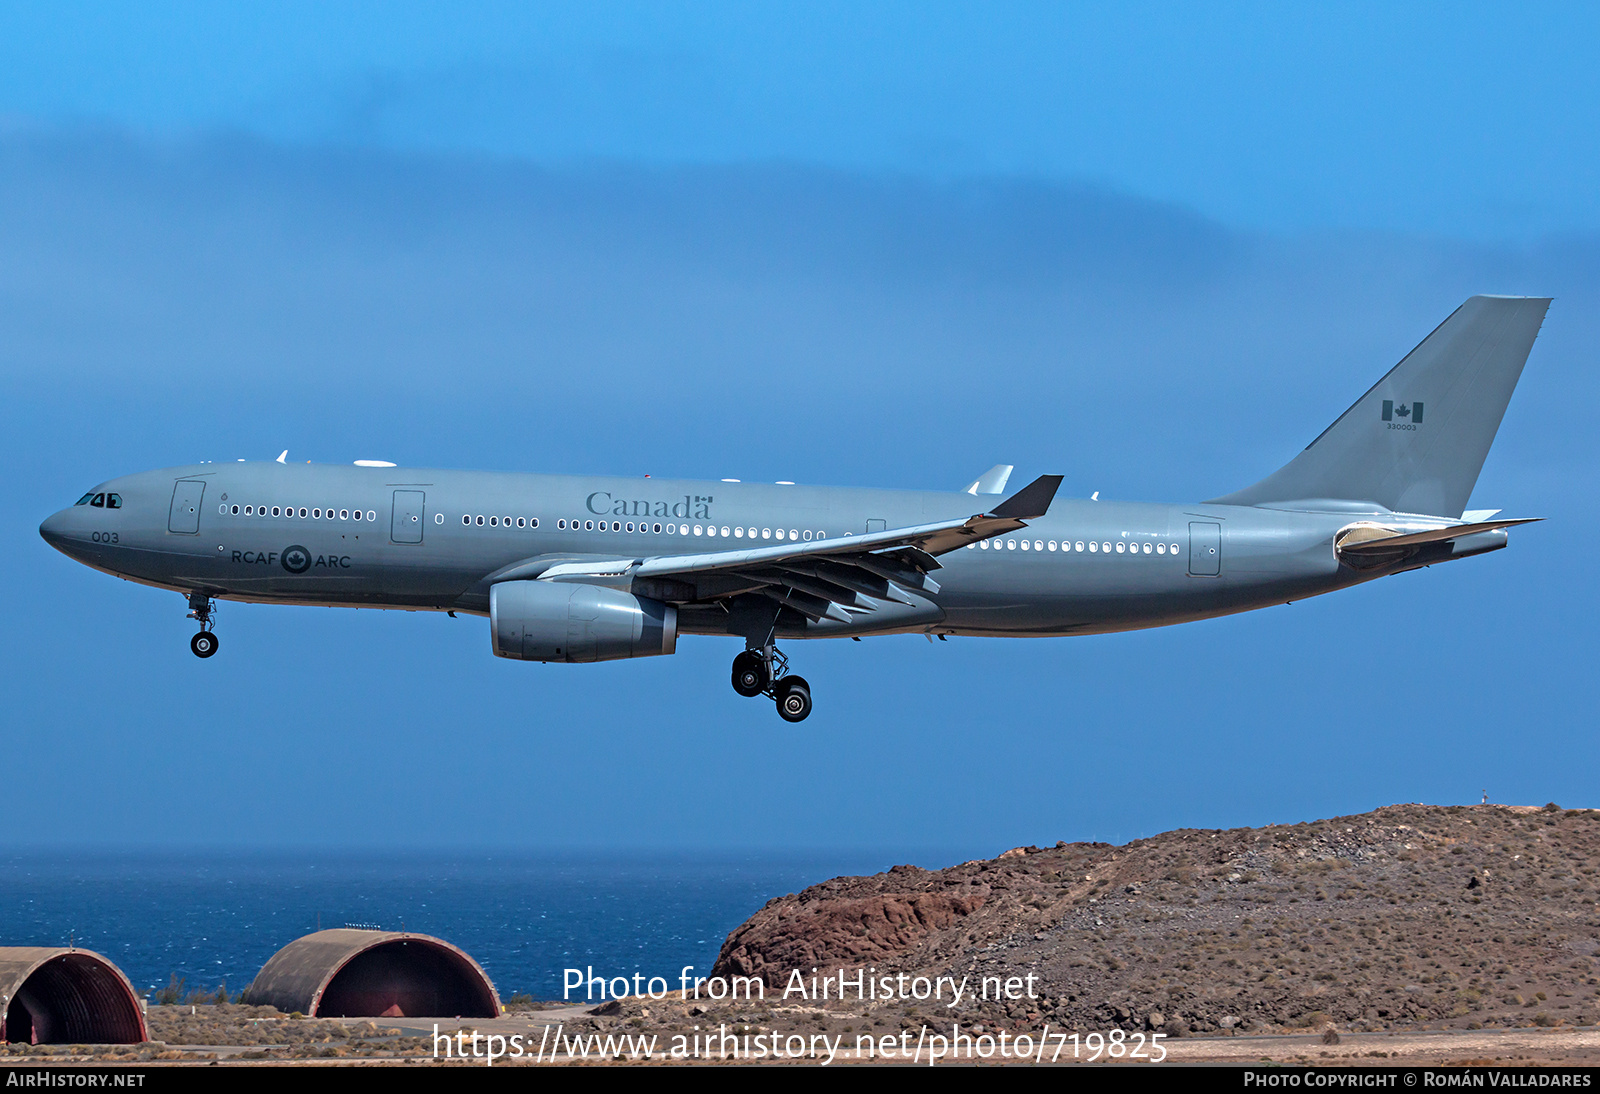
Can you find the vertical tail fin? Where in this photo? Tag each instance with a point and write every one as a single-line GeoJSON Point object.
{"type": "Point", "coordinates": [1416, 441]}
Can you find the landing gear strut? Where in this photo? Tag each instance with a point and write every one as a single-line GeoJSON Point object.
{"type": "Point", "coordinates": [763, 671]}
{"type": "Point", "coordinates": [201, 610]}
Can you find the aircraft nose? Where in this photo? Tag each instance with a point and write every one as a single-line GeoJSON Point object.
{"type": "Point", "coordinates": [54, 530]}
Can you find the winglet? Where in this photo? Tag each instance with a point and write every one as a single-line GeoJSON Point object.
{"type": "Point", "coordinates": [1032, 501]}
{"type": "Point", "coordinates": [992, 481]}
{"type": "Point", "coordinates": [283, 457]}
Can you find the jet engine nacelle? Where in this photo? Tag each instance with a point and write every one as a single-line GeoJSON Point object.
{"type": "Point", "coordinates": [558, 621]}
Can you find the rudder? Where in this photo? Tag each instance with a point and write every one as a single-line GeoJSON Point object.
{"type": "Point", "coordinates": [1416, 441]}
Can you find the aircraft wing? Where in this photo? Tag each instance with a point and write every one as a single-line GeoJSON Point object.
{"type": "Point", "coordinates": [825, 578]}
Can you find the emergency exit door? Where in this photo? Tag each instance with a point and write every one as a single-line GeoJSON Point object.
{"type": "Point", "coordinates": [1205, 549]}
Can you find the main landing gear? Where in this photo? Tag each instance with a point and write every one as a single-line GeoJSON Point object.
{"type": "Point", "coordinates": [201, 609]}
{"type": "Point", "coordinates": [763, 672]}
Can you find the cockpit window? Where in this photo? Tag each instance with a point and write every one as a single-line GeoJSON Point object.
{"type": "Point", "coordinates": [98, 501]}
{"type": "Point", "coordinates": [85, 499]}
{"type": "Point", "coordinates": [113, 501]}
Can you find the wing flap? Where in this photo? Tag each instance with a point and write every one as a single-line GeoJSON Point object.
{"type": "Point", "coordinates": [834, 579]}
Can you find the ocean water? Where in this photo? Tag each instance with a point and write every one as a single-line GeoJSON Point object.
{"type": "Point", "coordinates": [216, 917]}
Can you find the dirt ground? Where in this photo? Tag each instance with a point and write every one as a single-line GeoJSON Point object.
{"type": "Point", "coordinates": [241, 1036]}
{"type": "Point", "coordinates": [1411, 935]}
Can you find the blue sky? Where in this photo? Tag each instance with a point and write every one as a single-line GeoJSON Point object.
{"type": "Point", "coordinates": [1467, 120]}
{"type": "Point", "coordinates": [1151, 249]}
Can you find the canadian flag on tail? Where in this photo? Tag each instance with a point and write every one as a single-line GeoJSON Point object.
{"type": "Point", "coordinates": [1405, 411]}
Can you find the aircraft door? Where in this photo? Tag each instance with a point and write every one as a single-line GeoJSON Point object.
{"type": "Point", "coordinates": [184, 517]}
{"type": "Point", "coordinates": [405, 525]}
{"type": "Point", "coordinates": [1205, 549]}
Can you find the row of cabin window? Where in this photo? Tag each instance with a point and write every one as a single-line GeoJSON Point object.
{"type": "Point", "coordinates": [658, 529]}
{"type": "Point", "coordinates": [696, 530]}
{"type": "Point", "coordinates": [1077, 545]}
{"type": "Point", "coordinates": [494, 522]}
{"type": "Point", "coordinates": [100, 501]}
{"type": "Point", "coordinates": [290, 511]}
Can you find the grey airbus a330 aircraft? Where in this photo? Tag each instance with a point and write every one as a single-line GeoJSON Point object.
{"type": "Point", "coordinates": [593, 569]}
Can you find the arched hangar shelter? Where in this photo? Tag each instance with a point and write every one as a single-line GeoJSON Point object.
{"type": "Point", "coordinates": [50, 995]}
{"type": "Point", "coordinates": [352, 973]}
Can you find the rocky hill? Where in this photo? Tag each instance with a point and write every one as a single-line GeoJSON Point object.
{"type": "Point", "coordinates": [1463, 916]}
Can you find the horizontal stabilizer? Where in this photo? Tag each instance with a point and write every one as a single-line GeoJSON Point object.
{"type": "Point", "coordinates": [1358, 540]}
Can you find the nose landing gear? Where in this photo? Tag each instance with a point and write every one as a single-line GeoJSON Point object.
{"type": "Point", "coordinates": [201, 609]}
{"type": "Point", "coordinates": [762, 671]}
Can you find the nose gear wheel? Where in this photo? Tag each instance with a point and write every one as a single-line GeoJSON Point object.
{"type": "Point", "coordinates": [202, 610]}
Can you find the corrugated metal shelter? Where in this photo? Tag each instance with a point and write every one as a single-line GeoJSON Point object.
{"type": "Point", "coordinates": [351, 973]}
{"type": "Point", "coordinates": [50, 995]}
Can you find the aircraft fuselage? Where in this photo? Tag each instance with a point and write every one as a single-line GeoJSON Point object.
{"type": "Point", "coordinates": [437, 540]}
{"type": "Point", "coordinates": [581, 568]}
